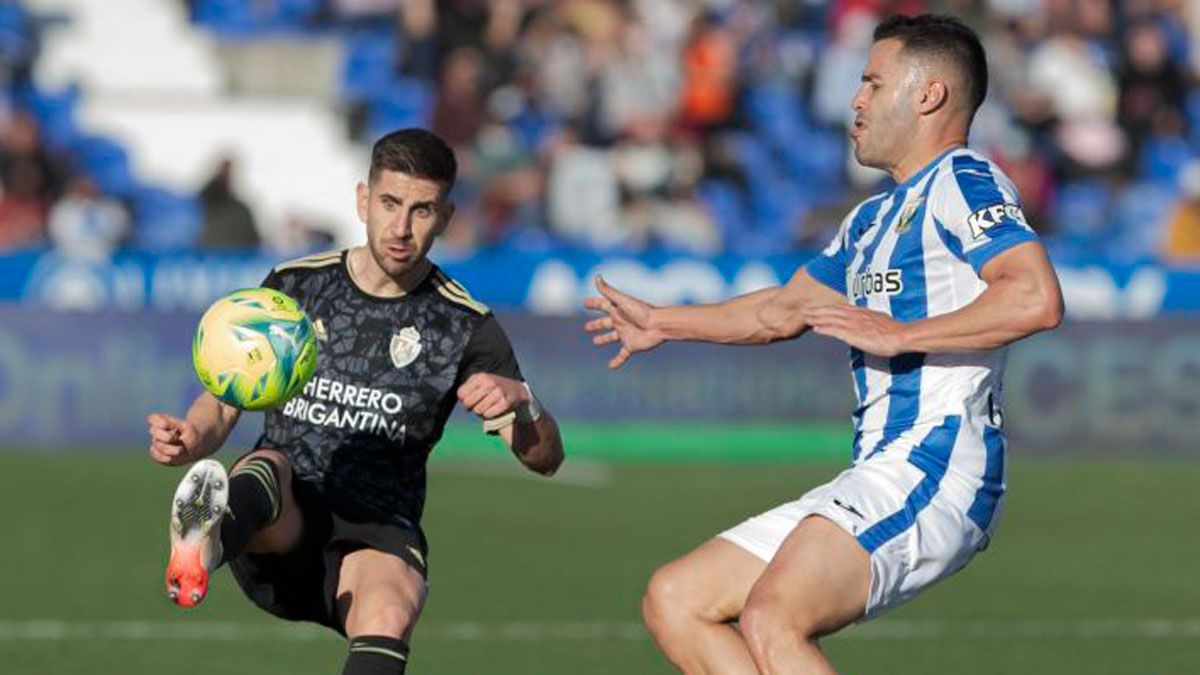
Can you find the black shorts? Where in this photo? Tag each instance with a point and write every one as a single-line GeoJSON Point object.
{"type": "Point", "coordinates": [301, 585]}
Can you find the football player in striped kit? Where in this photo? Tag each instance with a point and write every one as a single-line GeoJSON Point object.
{"type": "Point", "coordinates": [926, 283]}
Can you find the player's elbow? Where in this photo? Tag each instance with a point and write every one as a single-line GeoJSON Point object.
{"type": "Point", "coordinates": [1049, 311]}
{"type": "Point", "coordinates": [776, 325]}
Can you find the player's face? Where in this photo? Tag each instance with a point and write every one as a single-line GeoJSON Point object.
{"type": "Point", "coordinates": [404, 215]}
{"type": "Point", "coordinates": [885, 117]}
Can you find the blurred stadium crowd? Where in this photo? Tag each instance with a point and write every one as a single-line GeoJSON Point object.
{"type": "Point", "coordinates": [690, 126]}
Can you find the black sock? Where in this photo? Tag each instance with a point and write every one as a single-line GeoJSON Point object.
{"type": "Point", "coordinates": [254, 502]}
{"type": "Point", "coordinates": [376, 655]}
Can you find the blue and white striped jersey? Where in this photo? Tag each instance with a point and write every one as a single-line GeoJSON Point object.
{"type": "Point", "coordinates": [916, 252]}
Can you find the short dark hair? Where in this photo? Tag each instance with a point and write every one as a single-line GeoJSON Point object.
{"type": "Point", "coordinates": [415, 152]}
{"type": "Point", "coordinates": [942, 36]}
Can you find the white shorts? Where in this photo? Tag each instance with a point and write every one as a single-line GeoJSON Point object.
{"type": "Point", "coordinates": [912, 526]}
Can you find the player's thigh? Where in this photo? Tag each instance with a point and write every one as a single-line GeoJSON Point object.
{"type": "Point", "coordinates": [378, 593]}
{"type": "Point", "coordinates": [711, 582]}
{"type": "Point", "coordinates": [818, 582]}
{"type": "Point", "coordinates": [283, 534]}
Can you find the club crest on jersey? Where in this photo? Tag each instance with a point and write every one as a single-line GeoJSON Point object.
{"type": "Point", "coordinates": [907, 216]}
{"type": "Point", "coordinates": [405, 346]}
{"type": "Point", "coordinates": [991, 216]}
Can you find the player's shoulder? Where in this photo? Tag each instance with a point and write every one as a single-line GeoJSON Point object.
{"type": "Point", "coordinates": [317, 263]}
{"type": "Point", "coordinates": [454, 293]}
{"type": "Point", "coordinates": [965, 169]}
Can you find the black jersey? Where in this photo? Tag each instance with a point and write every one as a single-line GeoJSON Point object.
{"type": "Point", "coordinates": [387, 371]}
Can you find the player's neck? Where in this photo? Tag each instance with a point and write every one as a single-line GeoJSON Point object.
{"type": "Point", "coordinates": [372, 279]}
{"type": "Point", "coordinates": [919, 159]}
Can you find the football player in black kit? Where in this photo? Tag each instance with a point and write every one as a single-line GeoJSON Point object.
{"type": "Point", "coordinates": [321, 522]}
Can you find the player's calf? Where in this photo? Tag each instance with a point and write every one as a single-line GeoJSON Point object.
{"type": "Point", "coordinates": [380, 597]}
{"type": "Point", "coordinates": [256, 499]}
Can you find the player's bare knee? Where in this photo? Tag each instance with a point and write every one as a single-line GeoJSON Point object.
{"type": "Point", "coordinates": [666, 600]}
{"type": "Point", "coordinates": [765, 623]}
{"type": "Point", "coordinates": [392, 617]}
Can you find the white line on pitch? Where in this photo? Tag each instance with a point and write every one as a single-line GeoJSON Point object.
{"type": "Point", "coordinates": [592, 631]}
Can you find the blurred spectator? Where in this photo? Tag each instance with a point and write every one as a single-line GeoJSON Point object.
{"type": "Point", "coordinates": [638, 84]}
{"type": "Point", "coordinates": [459, 112]}
{"type": "Point", "coordinates": [21, 147]}
{"type": "Point", "coordinates": [1182, 241]}
{"type": "Point", "coordinates": [583, 196]}
{"type": "Point", "coordinates": [840, 68]}
{"type": "Point", "coordinates": [228, 222]}
{"type": "Point", "coordinates": [418, 39]}
{"type": "Point", "coordinates": [85, 224]}
{"type": "Point", "coordinates": [1073, 75]}
{"type": "Point", "coordinates": [1153, 86]}
{"type": "Point", "coordinates": [23, 205]}
{"type": "Point", "coordinates": [556, 56]}
{"type": "Point", "coordinates": [709, 70]}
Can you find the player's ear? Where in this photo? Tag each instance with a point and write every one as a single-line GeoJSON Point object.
{"type": "Point", "coordinates": [363, 194]}
{"type": "Point", "coordinates": [932, 96]}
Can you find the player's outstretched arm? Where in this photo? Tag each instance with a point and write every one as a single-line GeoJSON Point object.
{"type": "Point", "coordinates": [175, 441]}
{"type": "Point", "coordinates": [1022, 298]}
{"type": "Point", "coordinates": [508, 408]}
{"type": "Point", "coordinates": [767, 315]}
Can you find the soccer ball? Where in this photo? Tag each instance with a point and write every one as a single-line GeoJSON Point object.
{"type": "Point", "coordinates": [254, 348]}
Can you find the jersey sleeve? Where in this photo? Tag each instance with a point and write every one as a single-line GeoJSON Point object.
{"type": "Point", "coordinates": [977, 212]}
{"type": "Point", "coordinates": [273, 281]}
{"type": "Point", "coordinates": [489, 351]}
{"type": "Point", "coordinates": [829, 266]}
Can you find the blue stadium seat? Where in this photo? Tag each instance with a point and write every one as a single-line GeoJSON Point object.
{"type": "Point", "coordinates": [1163, 157]}
{"type": "Point", "coordinates": [369, 61]}
{"type": "Point", "coordinates": [1141, 214]}
{"type": "Point", "coordinates": [107, 163]}
{"type": "Point", "coordinates": [1193, 115]}
{"type": "Point", "coordinates": [777, 113]}
{"type": "Point", "coordinates": [55, 111]}
{"type": "Point", "coordinates": [724, 202]}
{"type": "Point", "coordinates": [753, 156]}
{"type": "Point", "coordinates": [296, 12]}
{"type": "Point", "coordinates": [817, 161]}
{"type": "Point", "coordinates": [164, 220]}
{"type": "Point", "coordinates": [402, 102]}
{"type": "Point", "coordinates": [1082, 213]}
{"type": "Point", "coordinates": [16, 32]}
{"type": "Point", "coordinates": [778, 208]}
{"type": "Point", "coordinates": [224, 15]}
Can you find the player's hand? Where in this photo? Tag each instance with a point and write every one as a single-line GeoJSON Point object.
{"type": "Point", "coordinates": [626, 320]}
{"type": "Point", "coordinates": [172, 440]}
{"type": "Point", "coordinates": [491, 396]}
{"type": "Point", "coordinates": [873, 332]}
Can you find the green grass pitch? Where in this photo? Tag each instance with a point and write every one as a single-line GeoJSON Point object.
{"type": "Point", "coordinates": [1092, 572]}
